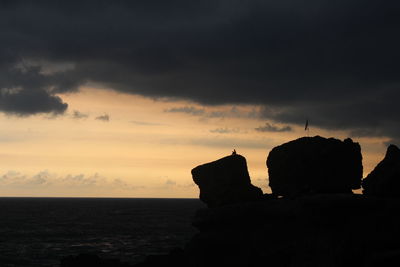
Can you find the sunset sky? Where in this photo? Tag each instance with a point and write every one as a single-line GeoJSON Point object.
{"type": "Point", "coordinates": [124, 98]}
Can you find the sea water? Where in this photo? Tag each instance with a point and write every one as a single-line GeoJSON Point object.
{"type": "Point", "coordinates": [41, 231]}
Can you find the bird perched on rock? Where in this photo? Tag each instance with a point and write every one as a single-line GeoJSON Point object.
{"type": "Point", "coordinates": [234, 152]}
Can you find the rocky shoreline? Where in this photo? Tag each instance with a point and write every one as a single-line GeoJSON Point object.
{"type": "Point", "coordinates": [312, 218]}
{"type": "Point", "coordinates": [319, 230]}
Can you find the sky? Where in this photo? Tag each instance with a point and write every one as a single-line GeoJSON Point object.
{"type": "Point", "coordinates": [124, 98]}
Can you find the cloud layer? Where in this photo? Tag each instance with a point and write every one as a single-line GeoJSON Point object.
{"type": "Point", "coordinates": [104, 117]}
{"type": "Point", "coordinates": [50, 180]}
{"type": "Point", "coordinates": [273, 128]}
{"type": "Point", "coordinates": [334, 62]}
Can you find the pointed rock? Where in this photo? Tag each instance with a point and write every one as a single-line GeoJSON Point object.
{"type": "Point", "coordinates": [384, 180]}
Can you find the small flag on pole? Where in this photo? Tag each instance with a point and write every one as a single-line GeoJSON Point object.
{"type": "Point", "coordinates": [306, 127]}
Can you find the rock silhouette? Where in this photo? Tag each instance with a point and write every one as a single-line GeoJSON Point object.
{"type": "Point", "coordinates": [313, 230]}
{"type": "Point", "coordinates": [320, 230]}
{"type": "Point", "coordinates": [86, 260]}
{"type": "Point", "coordinates": [225, 181]}
{"type": "Point", "coordinates": [312, 165]}
{"type": "Point", "coordinates": [384, 180]}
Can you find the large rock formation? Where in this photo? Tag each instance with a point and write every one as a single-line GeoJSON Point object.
{"type": "Point", "coordinates": [338, 230]}
{"type": "Point", "coordinates": [315, 165]}
{"type": "Point", "coordinates": [313, 230]}
{"type": "Point", "coordinates": [225, 181]}
{"type": "Point", "coordinates": [384, 180]}
{"type": "Point", "coordinates": [85, 260]}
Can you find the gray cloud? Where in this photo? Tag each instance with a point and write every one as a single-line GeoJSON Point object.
{"type": "Point", "coordinates": [273, 128]}
{"type": "Point", "coordinates": [51, 180]}
{"type": "Point", "coordinates": [79, 115]}
{"type": "Point", "coordinates": [224, 130]}
{"type": "Point", "coordinates": [145, 123]}
{"type": "Point", "coordinates": [334, 62]}
{"type": "Point", "coordinates": [26, 90]}
{"type": "Point", "coordinates": [223, 143]}
{"type": "Point", "coordinates": [170, 182]}
{"type": "Point", "coordinates": [104, 117]}
{"type": "Point", "coordinates": [188, 110]}
{"type": "Point", "coordinates": [233, 112]}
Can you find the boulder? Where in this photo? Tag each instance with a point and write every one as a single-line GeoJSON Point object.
{"type": "Point", "coordinates": [225, 181]}
{"type": "Point", "coordinates": [310, 165]}
{"type": "Point", "coordinates": [384, 180]}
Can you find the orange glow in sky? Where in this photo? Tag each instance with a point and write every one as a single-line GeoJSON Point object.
{"type": "Point", "coordinates": [146, 148]}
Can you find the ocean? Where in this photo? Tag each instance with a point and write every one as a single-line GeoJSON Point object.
{"type": "Point", "coordinates": [41, 231]}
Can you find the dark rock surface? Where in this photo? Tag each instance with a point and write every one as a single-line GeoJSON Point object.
{"type": "Point", "coordinates": [309, 230]}
{"type": "Point", "coordinates": [311, 227]}
{"type": "Point", "coordinates": [384, 180]}
{"type": "Point", "coordinates": [225, 181]}
{"type": "Point", "coordinates": [86, 260]}
{"type": "Point", "coordinates": [321, 230]}
{"type": "Point", "coordinates": [312, 165]}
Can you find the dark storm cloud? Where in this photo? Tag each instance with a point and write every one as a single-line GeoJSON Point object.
{"type": "Point", "coordinates": [272, 128]}
{"type": "Point", "coordinates": [25, 91]}
{"type": "Point", "coordinates": [334, 62]}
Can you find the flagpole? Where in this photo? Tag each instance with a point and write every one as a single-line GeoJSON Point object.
{"type": "Point", "coordinates": [307, 129]}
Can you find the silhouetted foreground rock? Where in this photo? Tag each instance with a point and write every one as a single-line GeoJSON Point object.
{"type": "Point", "coordinates": [312, 165]}
{"type": "Point", "coordinates": [314, 229]}
{"type": "Point", "coordinates": [321, 230]}
{"type": "Point", "coordinates": [384, 180]}
{"type": "Point", "coordinates": [88, 260]}
{"type": "Point", "coordinates": [225, 181]}
{"type": "Point", "coordinates": [310, 230]}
